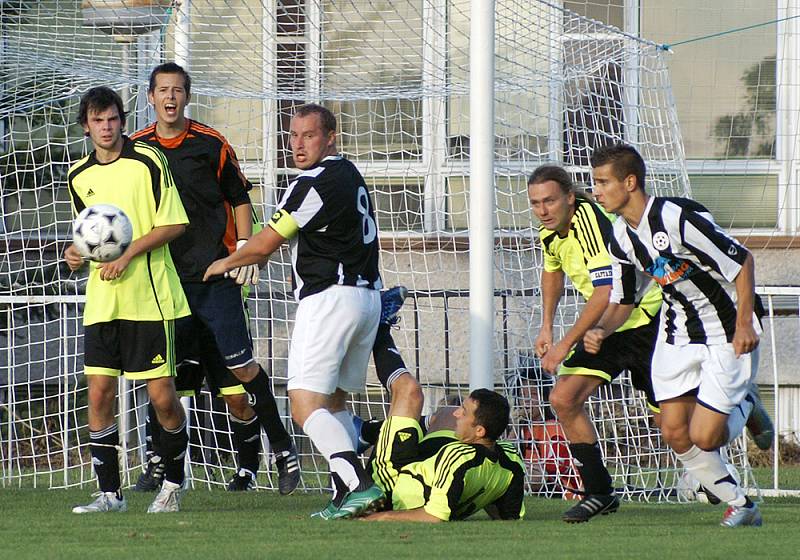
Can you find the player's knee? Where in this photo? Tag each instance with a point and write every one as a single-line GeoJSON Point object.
{"type": "Point", "coordinates": [165, 403]}
{"type": "Point", "coordinates": [246, 373]}
{"type": "Point", "coordinates": [676, 436]}
{"type": "Point", "coordinates": [239, 406]}
{"type": "Point", "coordinates": [101, 398]}
{"type": "Point", "coordinates": [565, 403]}
{"type": "Point", "coordinates": [408, 389]}
{"type": "Point", "coordinates": [707, 441]}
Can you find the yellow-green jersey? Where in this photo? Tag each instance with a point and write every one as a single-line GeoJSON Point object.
{"type": "Point", "coordinates": [583, 256]}
{"type": "Point", "coordinates": [461, 479]}
{"type": "Point", "coordinates": [140, 184]}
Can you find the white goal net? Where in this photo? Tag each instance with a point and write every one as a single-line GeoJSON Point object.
{"type": "Point", "coordinates": [396, 75]}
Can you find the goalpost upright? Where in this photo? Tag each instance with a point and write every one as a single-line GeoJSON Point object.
{"type": "Point", "coordinates": [481, 195]}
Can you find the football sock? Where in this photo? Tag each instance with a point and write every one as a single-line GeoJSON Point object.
{"type": "Point", "coordinates": [105, 459]}
{"type": "Point", "coordinates": [173, 450]}
{"type": "Point", "coordinates": [153, 430]}
{"type": "Point", "coordinates": [246, 441]}
{"type": "Point", "coordinates": [709, 470]}
{"type": "Point", "coordinates": [738, 418]}
{"type": "Point", "coordinates": [267, 411]}
{"type": "Point", "coordinates": [335, 444]}
{"type": "Point", "coordinates": [370, 430]}
{"type": "Point", "coordinates": [340, 490]}
{"type": "Point", "coordinates": [389, 363]}
{"type": "Point", "coordinates": [589, 461]}
{"type": "Point", "coordinates": [345, 418]}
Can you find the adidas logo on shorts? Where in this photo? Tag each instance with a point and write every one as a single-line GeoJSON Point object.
{"type": "Point", "coordinates": [158, 359]}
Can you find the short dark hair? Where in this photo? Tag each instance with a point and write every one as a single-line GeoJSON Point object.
{"type": "Point", "coordinates": [170, 68]}
{"type": "Point", "coordinates": [492, 412]}
{"type": "Point", "coordinates": [552, 172]}
{"type": "Point", "coordinates": [556, 173]}
{"type": "Point", "coordinates": [99, 99]}
{"type": "Point", "coordinates": [624, 160]}
{"type": "Point", "coordinates": [325, 115]}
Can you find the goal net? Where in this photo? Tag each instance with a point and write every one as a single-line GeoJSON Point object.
{"type": "Point", "coordinates": [396, 75]}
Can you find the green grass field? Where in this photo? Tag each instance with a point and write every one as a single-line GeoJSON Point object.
{"type": "Point", "coordinates": [215, 524]}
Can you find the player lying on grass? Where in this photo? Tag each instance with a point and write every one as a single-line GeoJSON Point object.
{"type": "Point", "coordinates": [455, 470]}
{"type": "Point", "coordinates": [700, 367]}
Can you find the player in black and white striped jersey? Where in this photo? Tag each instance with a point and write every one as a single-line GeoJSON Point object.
{"type": "Point", "coordinates": [329, 217]}
{"type": "Point", "coordinates": [700, 366]}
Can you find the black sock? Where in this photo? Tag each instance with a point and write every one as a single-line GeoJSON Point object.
{"type": "Point", "coordinates": [364, 479]}
{"type": "Point", "coordinates": [246, 442]}
{"type": "Point", "coordinates": [388, 360]}
{"type": "Point", "coordinates": [370, 430]}
{"type": "Point", "coordinates": [105, 459]}
{"type": "Point", "coordinates": [153, 430]}
{"type": "Point", "coordinates": [173, 449]}
{"type": "Point", "coordinates": [263, 402]}
{"type": "Point", "coordinates": [589, 461]}
{"type": "Point", "coordinates": [340, 490]}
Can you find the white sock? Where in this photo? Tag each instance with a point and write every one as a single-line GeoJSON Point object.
{"type": "Point", "coordinates": [707, 467]}
{"type": "Point", "coordinates": [738, 418]}
{"type": "Point", "coordinates": [345, 418]}
{"type": "Point", "coordinates": [330, 437]}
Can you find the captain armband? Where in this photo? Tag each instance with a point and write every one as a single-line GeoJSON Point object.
{"type": "Point", "coordinates": [284, 224]}
{"type": "Point", "coordinates": [601, 276]}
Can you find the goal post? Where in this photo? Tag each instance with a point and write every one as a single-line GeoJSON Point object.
{"type": "Point", "coordinates": [448, 181]}
{"type": "Point", "coordinates": [481, 197]}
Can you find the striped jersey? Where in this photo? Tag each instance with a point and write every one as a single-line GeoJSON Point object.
{"type": "Point", "coordinates": [583, 256]}
{"type": "Point", "coordinates": [211, 184]}
{"type": "Point", "coordinates": [461, 479]}
{"type": "Point", "coordinates": [678, 244]}
{"type": "Point", "coordinates": [139, 183]}
{"type": "Point", "coordinates": [329, 217]}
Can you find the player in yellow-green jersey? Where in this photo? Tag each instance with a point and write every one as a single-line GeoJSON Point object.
{"type": "Point", "coordinates": [457, 468]}
{"type": "Point", "coordinates": [133, 301]}
{"type": "Point", "coordinates": [574, 235]}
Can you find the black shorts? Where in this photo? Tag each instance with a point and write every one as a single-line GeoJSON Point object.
{"type": "Point", "coordinates": [631, 349]}
{"type": "Point", "coordinates": [219, 307]}
{"type": "Point", "coordinates": [199, 359]}
{"type": "Point", "coordinates": [139, 349]}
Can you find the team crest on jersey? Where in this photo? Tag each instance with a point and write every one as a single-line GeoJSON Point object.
{"type": "Point", "coordinates": [660, 240]}
{"type": "Point", "coordinates": [670, 270]}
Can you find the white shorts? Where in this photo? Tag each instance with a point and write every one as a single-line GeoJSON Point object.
{"type": "Point", "coordinates": [332, 339]}
{"type": "Point", "coordinates": [720, 377]}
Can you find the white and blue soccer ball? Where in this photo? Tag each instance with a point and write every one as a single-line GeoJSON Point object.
{"type": "Point", "coordinates": [102, 232]}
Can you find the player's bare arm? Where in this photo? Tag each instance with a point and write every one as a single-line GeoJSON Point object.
{"type": "Point", "coordinates": [614, 317]}
{"type": "Point", "coordinates": [257, 250]}
{"type": "Point", "coordinates": [745, 338]}
{"type": "Point", "coordinates": [244, 229]}
{"type": "Point", "coordinates": [73, 258]}
{"type": "Point", "coordinates": [153, 239]}
{"type": "Point", "coordinates": [552, 290]}
{"type": "Point", "coordinates": [592, 311]}
{"type": "Point", "coordinates": [243, 214]}
{"type": "Point", "coordinates": [418, 515]}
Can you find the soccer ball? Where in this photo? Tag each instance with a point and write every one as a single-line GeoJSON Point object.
{"type": "Point", "coordinates": [102, 232]}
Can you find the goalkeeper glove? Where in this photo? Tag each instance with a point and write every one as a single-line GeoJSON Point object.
{"type": "Point", "coordinates": [247, 274]}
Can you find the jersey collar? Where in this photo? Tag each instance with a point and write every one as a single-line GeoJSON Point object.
{"type": "Point", "coordinates": [173, 142]}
